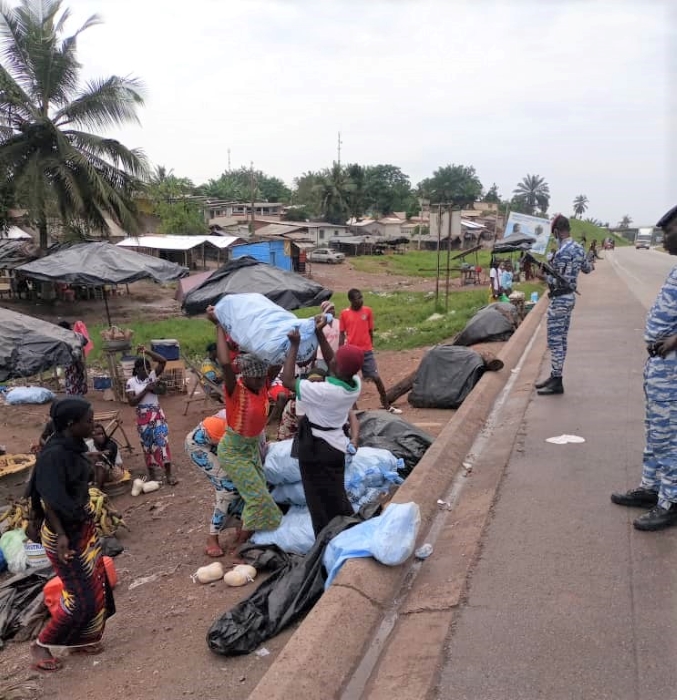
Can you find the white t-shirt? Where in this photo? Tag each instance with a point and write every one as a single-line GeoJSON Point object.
{"type": "Point", "coordinates": [136, 386]}
{"type": "Point", "coordinates": [328, 404]}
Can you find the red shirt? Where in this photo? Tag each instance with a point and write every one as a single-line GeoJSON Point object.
{"type": "Point", "coordinates": [247, 412]}
{"type": "Point", "coordinates": [357, 325]}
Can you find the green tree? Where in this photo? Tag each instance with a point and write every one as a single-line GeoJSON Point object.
{"type": "Point", "coordinates": [307, 194]}
{"type": "Point", "coordinates": [296, 213]}
{"type": "Point", "coordinates": [492, 195]}
{"type": "Point", "coordinates": [580, 205]}
{"type": "Point", "coordinates": [625, 221]}
{"type": "Point", "coordinates": [335, 188]}
{"type": "Point", "coordinates": [172, 203]}
{"type": "Point", "coordinates": [532, 193]}
{"type": "Point", "coordinates": [44, 109]}
{"type": "Point", "coordinates": [237, 186]}
{"type": "Point", "coordinates": [386, 189]}
{"type": "Point", "coordinates": [355, 196]}
{"type": "Point", "coordinates": [452, 184]}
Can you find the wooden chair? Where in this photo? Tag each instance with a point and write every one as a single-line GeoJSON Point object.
{"type": "Point", "coordinates": [199, 383]}
{"type": "Point", "coordinates": [112, 423]}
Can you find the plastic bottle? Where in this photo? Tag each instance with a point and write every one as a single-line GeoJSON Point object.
{"type": "Point", "coordinates": [534, 297]}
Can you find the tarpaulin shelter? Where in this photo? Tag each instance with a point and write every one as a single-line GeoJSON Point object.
{"type": "Point", "coordinates": [247, 275]}
{"type": "Point", "coordinates": [14, 253]}
{"type": "Point", "coordinates": [513, 244]}
{"type": "Point", "coordinates": [99, 264]}
{"type": "Point", "coordinates": [29, 345]}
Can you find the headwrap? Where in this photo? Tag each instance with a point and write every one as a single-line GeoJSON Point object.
{"type": "Point", "coordinates": [349, 360]}
{"type": "Point", "coordinates": [667, 218]}
{"type": "Point", "coordinates": [68, 411]}
{"type": "Point", "coordinates": [327, 307]}
{"type": "Point", "coordinates": [251, 366]}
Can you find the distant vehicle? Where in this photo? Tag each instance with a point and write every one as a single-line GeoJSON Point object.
{"type": "Point", "coordinates": [325, 255]}
{"type": "Point", "coordinates": [644, 238]}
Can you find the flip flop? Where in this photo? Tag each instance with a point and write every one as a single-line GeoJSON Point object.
{"type": "Point", "coordinates": [47, 665]}
{"type": "Point", "coordinates": [214, 552]}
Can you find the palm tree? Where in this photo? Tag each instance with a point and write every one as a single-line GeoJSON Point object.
{"type": "Point", "coordinates": [533, 192]}
{"type": "Point", "coordinates": [580, 205]}
{"type": "Point", "coordinates": [625, 221]}
{"type": "Point", "coordinates": [45, 118]}
{"type": "Point", "coordinates": [335, 188]}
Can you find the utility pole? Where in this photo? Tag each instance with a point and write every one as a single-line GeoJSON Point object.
{"type": "Point", "coordinates": [229, 160]}
{"type": "Point", "coordinates": [252, 192]}
{"type": "Point", "coordinates": [340, 143]}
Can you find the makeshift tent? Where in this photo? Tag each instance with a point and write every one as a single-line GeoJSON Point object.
{"type": "Point", "coordinates": [16, 252]}
{"type": "Point", "coordinates": [187, 283]}
{"type": "Point", "coordinates": [247, 275]}
{"type": "Point", "coordinates": [446, 375]}
{"type": "Point", "coordinates": [512, 244]}
{"type": "Point", "coordinates": [492, 323]}
{"type": "Point", "coordinates": [29, 346]}
{"type": "Point", "coordinates": [99, 264]}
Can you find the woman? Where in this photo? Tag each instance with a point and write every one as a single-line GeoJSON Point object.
{"type": "Point", "coordinates": [331, 332]}
{"type": "Point", "coordinates": [59, 491]}
{"type": "Point", "coordinates": [105, 455]}
{"type": "Point", "coordinates": [322, 442]}
{"type": "Point", "coordinates": [151, 421]}
{"type": "Point", "coordinates": [238, 451]}
{"type": "Point", "coordinates": [76, 372]}
{"type": "Point", "coordinates": [201, 446]}
{"type": "Point", "coordinates": [289, 422]}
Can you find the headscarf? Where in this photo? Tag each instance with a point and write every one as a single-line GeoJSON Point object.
{"type": "Point", "coordinates": [68, 411]}
{"type": "Point", "coordinates": [349, 360]}
{"type": "Point", "coordinates": [327, 307]}
{"type": "Point", "coordinates": [251, 366]}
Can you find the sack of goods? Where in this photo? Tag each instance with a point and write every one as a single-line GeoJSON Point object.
{"type": "Point", "coordinates": [260, 326]}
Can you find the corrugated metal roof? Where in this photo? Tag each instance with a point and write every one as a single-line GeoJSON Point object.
{"type": "Point", "coordinates": [278, 229]}
{"type": "Point", "coordinates": [177, 242]}
{"type": "Point", "coordinates": [14, 233]}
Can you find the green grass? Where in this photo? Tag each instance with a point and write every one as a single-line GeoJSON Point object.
{"type": "Point", "coordinates": [416, 263]}
{"type": "Point", "coordinates": [592, 232]}
{"type": "Point", "coordinates": [402, 319]}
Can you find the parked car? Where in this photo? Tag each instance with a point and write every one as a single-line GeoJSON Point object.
{"type": "Point", "coordinates": [326, 255]}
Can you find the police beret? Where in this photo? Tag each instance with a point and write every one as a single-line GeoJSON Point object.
{"type": "Point", "coordinates": [667, 218]}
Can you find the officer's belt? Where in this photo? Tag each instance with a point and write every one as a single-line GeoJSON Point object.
{"type": "Point", "coordinates": [651, 349]}
{"type": "Point", "coordinates": [559, 292]}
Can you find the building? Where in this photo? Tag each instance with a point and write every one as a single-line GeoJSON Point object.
{"type": "Point", "coordinates": [385, 227]}
{"type": "Point", "coordinates": [241, 210]}
{"type": "Point", "coordinates": [190, 251]}
{"type": "Point", "coordinates": [275, 251]}
{"type": "Point", "coordinates": [319, 233]}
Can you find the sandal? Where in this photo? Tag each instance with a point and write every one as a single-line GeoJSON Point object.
{"type": "Point", "coordinates": [214, 552]}
{"type": "Point", "coordinates": [48, 665]}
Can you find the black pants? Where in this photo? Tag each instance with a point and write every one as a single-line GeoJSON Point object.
{"type": "Point", "coordinates": [323, 476]}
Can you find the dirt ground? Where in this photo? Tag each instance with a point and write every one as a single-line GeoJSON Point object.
{"type": "Point", "coordinates": [155, 644]}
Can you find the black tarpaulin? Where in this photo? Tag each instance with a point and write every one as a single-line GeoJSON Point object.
{"type": "Point", "coordinates": [512, 244]}
{"type": "Point", "coordinates": [246, 275]}
{"type": "Point", "coordinates": [446, 375]}
{"type": "Point", "coordinates": [490, 324]}
{"type": "Point", "coordinates": [29, 346]}
{"type": "Point", "coordinates": [98, 264]}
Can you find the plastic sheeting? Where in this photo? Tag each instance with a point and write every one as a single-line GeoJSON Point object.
{"type": "Point", "coordinates": [22, 607]}
{"type": "Point", "coordinates": [512, 244]}
{"type": "Point", "coordinates": [14, 253]}
{"type": "Point", "coordinates": [390, 432]}
{"type": "Point", "coordinates": [97, 264]}
{"type": "Point", "coordinates": [282, 599]}
{"type": "Point", "coordinates": [446, 375]}
{"type": "Point", "coordinates": [490, 324]}
{"type": "Point", "coordinates": [29, 346]}
{"type": "Point", "coordinates": [246, 275]}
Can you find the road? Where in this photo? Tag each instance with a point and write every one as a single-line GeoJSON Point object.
{"type": "Point", "coordinates": [567, 600]}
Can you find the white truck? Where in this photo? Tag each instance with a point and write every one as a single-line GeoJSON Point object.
{"type": "Point", "coordinates": [644, 238]}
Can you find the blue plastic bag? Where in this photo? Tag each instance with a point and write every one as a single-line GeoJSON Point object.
{"type": "Point", "coordinates": [260, 326]}
{"type": "Point", "coordinates": [389, 538]}
{"type": "Point", "coordinates": [28, 394]}
{"type": "Point", "coordinates": [289, 494]}
{"type": "Point", "coordinates": [279, 466]}
{"type": "Point", "coordinates": [295, 534]}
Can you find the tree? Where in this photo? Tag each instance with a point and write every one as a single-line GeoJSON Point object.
{"type": "Point", "coordinates": [625, 221]}
{"type": "Point", "coordinates": [44, 109]}
{"type": "Point", "coordinates": [236, 186]}
{"type": "Point", "coordinates": [452, 184]}
{"type": "Point", "coordinates": [172, 203]}
{"type": "Point", "coordinates": [492, 194]}
{"type": "Point", "coordinates": [356, 195]}
{"type": "Point", "coordinates": [580, 205]}
{"type": "Point", "coordinates": [307, 193]}
{"type": "Point", "coordinates": [335, 188]}
{"type": "Point", "coordinates": [296, 213]}
{"type": "Point", "coordinates": [531, 193]}
{"type": "Point", "coordinates": [386, 189]}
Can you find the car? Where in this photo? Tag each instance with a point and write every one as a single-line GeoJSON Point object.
{"type": "Point", "coordinates": [642, 243]}
{"type": "Point", "coordinates": [326, 255]}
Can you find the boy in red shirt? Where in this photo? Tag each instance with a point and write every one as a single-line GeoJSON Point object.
{"type": "Point", "coordinates": [356, 326]}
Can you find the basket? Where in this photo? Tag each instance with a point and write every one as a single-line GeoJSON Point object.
{"type": "Point", "coordinates": [116, 345]}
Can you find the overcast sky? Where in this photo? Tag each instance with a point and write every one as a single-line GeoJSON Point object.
{"type": "Point", "coordinates": [578, 92]}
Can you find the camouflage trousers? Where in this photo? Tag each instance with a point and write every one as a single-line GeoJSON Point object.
{"type": "Point", "coordinates": [559, 319]}
{"type": "Point", "coordinates": [659, 466]}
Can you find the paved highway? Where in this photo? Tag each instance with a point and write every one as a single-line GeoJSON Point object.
{"type": "Point", "coordinates": [644, 271]}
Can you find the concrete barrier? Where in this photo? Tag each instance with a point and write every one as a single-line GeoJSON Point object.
{"type": "Point", "coordinates": [322, 654]}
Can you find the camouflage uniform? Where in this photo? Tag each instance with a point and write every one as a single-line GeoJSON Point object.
{"type": "Point", "coordinates": [659, 469]}
{"type": "Point", "coordinates": [569, 261]}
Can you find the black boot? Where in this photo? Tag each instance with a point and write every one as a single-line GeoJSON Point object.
{"type": "Point", "coordinates": [657, 518]}
{"type": "Point", "coordinates": [543, 383]}
{"type": "Point", "coordinates": [636, 498]}
{"type": "Point", "coordinates": [554, 386]}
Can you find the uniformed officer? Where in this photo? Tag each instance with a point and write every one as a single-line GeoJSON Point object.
{"type": "Point", "coordinates": [569, 260]}
{"type": "Point", "coordinates": [658, 487]}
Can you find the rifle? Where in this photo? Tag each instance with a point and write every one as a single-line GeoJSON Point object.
{"type": "Point", "coordinates": [550, 270]}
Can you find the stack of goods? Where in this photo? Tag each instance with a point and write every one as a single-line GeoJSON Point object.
{"type": "Point", "coordinates": [106, 518]}
{"type": "Point", "coordinates": [370, 474]}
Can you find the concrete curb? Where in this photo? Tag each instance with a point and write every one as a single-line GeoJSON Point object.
{"type": "Point", "coordinates": [322, 654]}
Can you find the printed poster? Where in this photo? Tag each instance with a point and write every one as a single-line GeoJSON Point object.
{"type": "Point", "coordinates": [534, 226]}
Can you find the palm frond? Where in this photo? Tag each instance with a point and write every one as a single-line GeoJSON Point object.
{"type": "Point", "coordinates": [133, 161]}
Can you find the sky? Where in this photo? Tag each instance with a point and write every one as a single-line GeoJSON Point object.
{"type": "Point", "coordinates": [579, 92]}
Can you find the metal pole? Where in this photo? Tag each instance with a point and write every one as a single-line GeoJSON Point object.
{"type": "Point", "coordinates": [439, 237]}
{"type": "Point", "coordinates": [446, 298]}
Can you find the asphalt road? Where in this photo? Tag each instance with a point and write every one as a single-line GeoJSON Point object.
{"type": "Point", "coordinates": [567, 600]}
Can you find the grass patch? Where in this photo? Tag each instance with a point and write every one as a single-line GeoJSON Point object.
{"type": "Point", "coordinates": [402, 321]}
{"type": "Point", "coordinates": [592, 232]}
{"type": "Point", "coordinates": [416, 263]}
